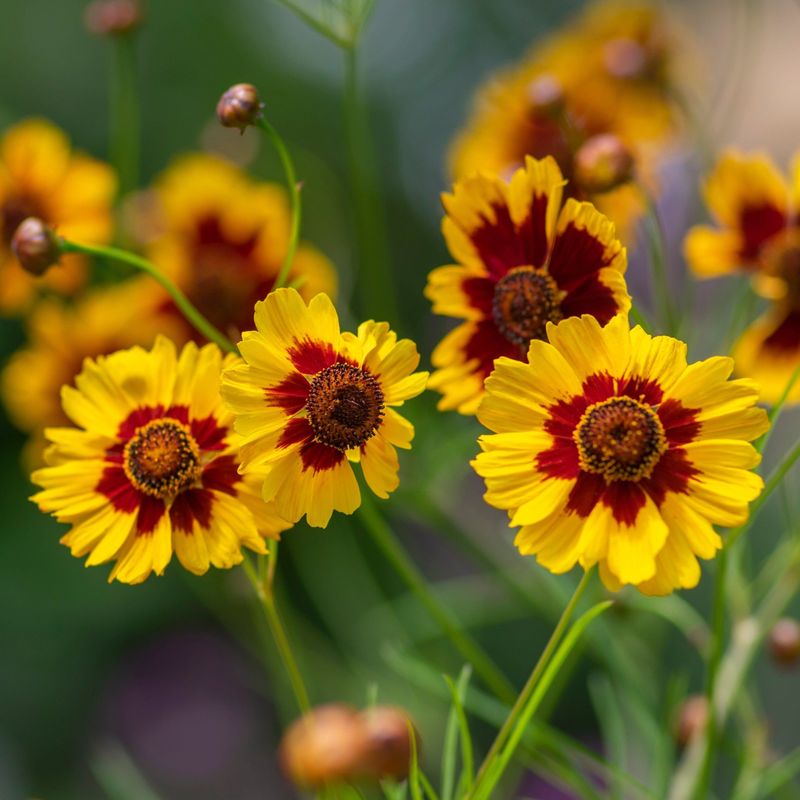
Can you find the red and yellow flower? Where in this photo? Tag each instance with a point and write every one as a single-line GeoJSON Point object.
{"type": "Point", "coordinates": [152, 466]}
{"type": "Point", "coordinates": [222, 238]}
{"type": "Point", "coordinates": [41, 177]}
{"type": "Point", "coordinates": [608, 448]}
{"type": "Point", "coordinates": [757, 233]}
{"type": "Point", "coordinates": [310, 400]}
{"type": "Point", "coordinates": [523, 261]}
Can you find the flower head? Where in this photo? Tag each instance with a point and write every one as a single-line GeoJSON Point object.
{"type": "Point", "coordinates": [40, 177]}
{"type": "Point", "coordinates": [309, 400]}
{"type": "Point", "coordinates": [152, 467]}
{"type": "Point", "coordinates": [524, 261]}
{"type": "Point", "coordinates": [35, 246]}
{"type": "Point", "coordinates": [610, 449]}
{"type": "Point", "coordinates": [758, 234]}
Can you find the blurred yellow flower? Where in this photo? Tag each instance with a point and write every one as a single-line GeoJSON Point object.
{"type": "Point", "coordinates": [152, 466]}
{"type": "Point", "coordinates": [41, 177]}
{"type": "Point", "coordinates": [609, 449]}
{"type": "Point", "coordinates": [309, 400]}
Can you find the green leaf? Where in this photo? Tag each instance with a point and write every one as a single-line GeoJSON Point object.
{"type": "Point", "coordinates": [612, 725]}
{"type": "Point", "coordinates": [458, 693]}
{"type": "Point", "coordinates": [341, 21]}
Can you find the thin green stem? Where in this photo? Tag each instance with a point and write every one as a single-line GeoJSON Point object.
{"type": "Point", "coordinates": [264, 593]}
{"type": "Point", "coordinates": [657, 257]}
{"type": "Point", "coordinates": [639, 318]}
{"type": "Point", "coordinates": [533, 680]}
{"type": "Point", "coordinates": [383, 537]}
{"type": "Point", "coordinates": [777, 409]}
{"type": "Point", "coordinates": [195, 318]}
{"type": "Point", "coordinates": [294, 198]}
{"type": "Point", "coordinates": [124, 124]}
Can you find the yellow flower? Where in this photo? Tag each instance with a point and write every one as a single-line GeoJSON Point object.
{"type": "Point", "coordinates": [60, 337]}
{"type": "Point", "coordinates": [310, 400]}
{"type": "Point", "coordinates": [523, 261]}
{"type": "Point", "coordinates": [152, 466]}
{"type": "Point", "coordinates": [41, 177]}
{"type": "Point", "coordinates": [609, 449]}
{"type": "Point", "coordinates": [758, 234]}
{"type": "Point", "coordinates": [222, 238]}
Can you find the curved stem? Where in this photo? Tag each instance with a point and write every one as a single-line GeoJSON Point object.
{"type": "Point", "coordinates": [194, 317]}
{"type": "Point", "coordinates": [294, 197]}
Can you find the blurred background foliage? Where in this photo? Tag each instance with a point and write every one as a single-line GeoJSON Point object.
{"type": "Point", "coordinates": [102, 687]}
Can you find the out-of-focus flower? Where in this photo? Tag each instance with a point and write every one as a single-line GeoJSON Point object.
{"type": "Point", "coordinates": [223, 239]}
{"type": "Point", "coordinates": [35, 245]}
{"type": "Point", "coordinates": [60, 337]}
{"type": "Point", "coordinates": [757, 234]}
{"type": "Point", "coordinates": [609, 449]}
{"type": "Point", "coordinates": [337, 744]}
{"type": "Point", "coordinates": [239, 106]}
{"type": "Point", "coordinates": [113, 17]}
{"type": "Point", "coordinates": [692, 718]}
{"type": "Point", "coordinates": [784, 641]}
{"type": "Point", "coordinates": [524, 261]}
{"type": "Point", "coordinates": [152, 466]}
{"type": "Point", "coordinates": [609, 72]}
{"type": "Point", "coordinates": [72, 193]}
{"type": "Point", "coordinates": [309, 400]}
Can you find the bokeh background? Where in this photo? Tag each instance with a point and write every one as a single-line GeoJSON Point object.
{"type": "Point", "coordinates": [160, 690]}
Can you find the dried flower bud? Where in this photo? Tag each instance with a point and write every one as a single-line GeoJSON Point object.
{"type": "Point", "coordinates": [327, 745]}
{"type": "Point", "coordinates": [546, 95]}
{"type": "Point", "coordinates": [784, 642]}
{"type": "Point", "coordinates": [602, 163]}
{"type": "Point", "coordinates": [35, 246]}
{"type": "Point", "coordinates": [113, 17]}
{"type": "Point", "coordinates": [692, 718]}
{"type": "Point", "coordinates": [388, 733]}
{"type": "Point", "coordinates": [240, 106]}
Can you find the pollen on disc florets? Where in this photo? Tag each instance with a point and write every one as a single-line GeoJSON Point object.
{"type": "Point", "coordinates": [525, 300]}
{"type": "Point", "coordinates": [620, 439]}
{"type": "Point", "coordinates": [162, 458]}
{"type": "Point", "coordinates": [345, 406]}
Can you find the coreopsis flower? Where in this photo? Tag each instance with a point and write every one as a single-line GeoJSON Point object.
{"type": "Point", "coordinates": [152, 466]}
{"type": "Point", "coordinates": [757, 233]}
{"type": "Point", "coordinates": [60, 337]}
{"type": "Point", "coordinates": [41, 177]}
{"type": "Point", "coordinates": [309, 400]}
{"type": "Point", "coordinates": [222, 239]}
{"type": "Point", "coordinates": [523, 261]}
{"type": "Point", "coordinates": [609, 449]}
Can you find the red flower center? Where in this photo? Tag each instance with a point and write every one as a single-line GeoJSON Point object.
{"type": "Point", "coordinates": [162, 458]}
{"type": "Point", "coordinates": [525, 300]}
{"type": "Point", "coordinates": [345, 406]}
{"type": "Point", "coordinates": [620, 439]}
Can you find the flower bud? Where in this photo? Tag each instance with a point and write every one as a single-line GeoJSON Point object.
{"type": "Point", "coordinates": [692, 718]}
{"type": "Point", "coordinates": [113, 17]}
{"type": "Point", "coordinates": [240, 106]}
{"type": "Point", "coordinates": [327, 745]}
{"type": "Point", "coordinates": [545, 95]}
{"type": "Point", "coordinates": [388, 734]}
{"type": "Point", "coordinates": [602, 163]}
{"type": "Point", "coordinates": [35, 246]}
{"type": "Point", "coordinates": [784, 642]}
{"type": "Point", "coordinates": [626, 59]}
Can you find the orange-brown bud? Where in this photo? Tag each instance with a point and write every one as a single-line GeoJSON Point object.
{"type": "Point", "coordinates": [388, 733]}
{"type": "Point", "coordinates": [35, 246]}
{"type": "Point", "coordinates": [240, 106]}
{"type": "Point", "coordinates": [113, 17]}
{"type": "Point", "coordinates": [692, 718]}
{"type": "Point", "coordinates": [327, 745]}
{"type": "Point", "coordinates": [545, 95]}
{"type": "Point", "coordinates": [784, 642]}
{"type": "Point", "coordinates": [602, 163]}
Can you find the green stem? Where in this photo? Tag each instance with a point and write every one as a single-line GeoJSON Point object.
{"type": "Point", "coordinates": [529, 688]}
{"type": "Point", "coordinates": [639, 318]}
{"type": "Point", "coordinates": [401, 562]}
{"type": "Point", "coordinates": [201, 324]}
{"type": "Point", "coordinates": [124, 114]}
{"type": "Point", "coordinates": [777, 409]}
{"type": "Point", "coordinates": [294, 197]}
{"type": "Point", "coordinates": [264, 591]}
{"type": "Point", "coordinates": [375, 280]}
{"type": "Point", "coordinates": [657, 257]}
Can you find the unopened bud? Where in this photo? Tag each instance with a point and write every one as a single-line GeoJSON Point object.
{"type": "Point", "coordinates": [784, 642]}
{"type": "Point", "coordinates": [546, 95]}
{"type": "Point", "coordinates": [35, 246]}
{"type": "Point", "coordinates": [626, 58]}
{"type": "Point", "coordinates": [240, 106]}
{"type": "Point", "coordinates": [692, 718]}
{"type": "Point", "coordinates": [113, 17]}
{"type": "Point", "coordinates": [388, 733]}
{"type": "Point", "coordinates": [325, 746]}
{"type": "Point", "coordinates": [602, 163]}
